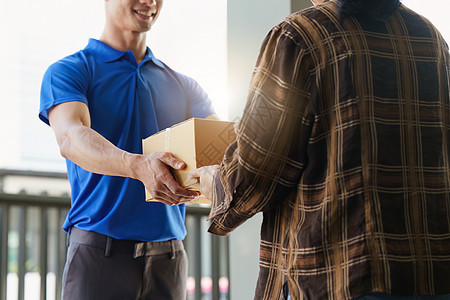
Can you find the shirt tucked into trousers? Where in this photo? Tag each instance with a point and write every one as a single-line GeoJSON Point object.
{"type": "Point", "coordinates": [100, 267]}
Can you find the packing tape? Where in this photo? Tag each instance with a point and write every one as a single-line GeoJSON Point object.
{"type": "Point", "coordinates": [167, 140]}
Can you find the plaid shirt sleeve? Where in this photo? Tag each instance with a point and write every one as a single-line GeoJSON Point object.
{"type": "Point", "coordinates": [265, 163]}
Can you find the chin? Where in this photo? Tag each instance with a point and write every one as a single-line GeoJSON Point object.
{"type": "Point", "coordinates": [146, 26]}
{"type": "Point", "coordinates": [143, 28]}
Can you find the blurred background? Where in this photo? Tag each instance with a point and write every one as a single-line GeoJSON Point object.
{"type": "Point", "coordinates": [215, 42]}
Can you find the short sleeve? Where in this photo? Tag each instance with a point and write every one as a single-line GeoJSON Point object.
{"type": "Point", "coordinates": [64, 81]}
{"type": "Point", "coordinates": [200, 105]}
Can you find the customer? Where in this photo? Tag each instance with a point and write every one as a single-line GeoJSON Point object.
{"type": "Point", "coordinates": [101, 102]}
{"type": "Point", "coordinates": [344, 147]}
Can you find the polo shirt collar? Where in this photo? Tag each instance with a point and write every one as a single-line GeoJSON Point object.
{"type": "Point", "coordinates": [108, 54]}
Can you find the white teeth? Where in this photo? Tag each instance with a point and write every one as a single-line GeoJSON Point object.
{"type": "Point", "coordinates": [147, 14]}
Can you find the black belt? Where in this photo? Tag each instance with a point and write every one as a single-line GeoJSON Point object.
{"type": "Point", "coordinates": [132, 247]}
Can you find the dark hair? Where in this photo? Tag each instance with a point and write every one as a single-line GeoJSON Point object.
{"type": "Point", "coordinates": [379, 10]}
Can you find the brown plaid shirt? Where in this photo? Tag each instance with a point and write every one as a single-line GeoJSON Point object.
{"type": "Point", "coordinates": [344, 147]}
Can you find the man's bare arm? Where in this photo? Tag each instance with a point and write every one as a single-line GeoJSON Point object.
{"type": "Point", "coordinates": [85, 147]}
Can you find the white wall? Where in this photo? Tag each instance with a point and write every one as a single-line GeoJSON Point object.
{"type": "Point", "coordinates": [248, 23]}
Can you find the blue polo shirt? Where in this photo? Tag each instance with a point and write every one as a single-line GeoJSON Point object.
{"type": "Point", "coordinates": [127, 103]}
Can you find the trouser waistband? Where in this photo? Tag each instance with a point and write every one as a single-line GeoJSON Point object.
{"type": "Point", "coordinates": [132, 247]}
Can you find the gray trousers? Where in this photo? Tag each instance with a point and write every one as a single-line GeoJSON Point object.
{"type": "Point", "coordinates": [99, 267]}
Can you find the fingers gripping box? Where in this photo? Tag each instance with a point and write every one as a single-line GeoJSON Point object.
{"type": "Point", "coordinates": [197, 142]}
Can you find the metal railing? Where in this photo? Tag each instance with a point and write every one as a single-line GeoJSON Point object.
{"type": "Point", "coordinates": [31, 239]}
{"type": "Point", "coordinates": [33, 246]}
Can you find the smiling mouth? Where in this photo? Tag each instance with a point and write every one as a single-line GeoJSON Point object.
{"type": "Point", "coordinates": [146, 14]}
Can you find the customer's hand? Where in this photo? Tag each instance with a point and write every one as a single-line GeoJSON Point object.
{"type": "Point", "coordinates": [206, 176]}
{"type": "Point", "coordinates": [155, 173]}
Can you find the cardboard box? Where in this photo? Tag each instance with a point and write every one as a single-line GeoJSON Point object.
{"type": "Point", "coordinates": [197, 142]}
